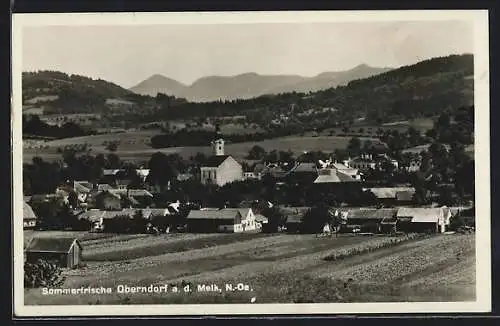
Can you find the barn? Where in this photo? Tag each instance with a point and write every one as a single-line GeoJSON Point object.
{"type": "Point", "coordinates": [391, 196]}
{"type": "Point", "coordinates": [64, 252]}
{"type": "Point", "coordinates": [294, 217]}
{"type": "Point", "coordinates": [423, 219]}
{"type": "Point", "coordinates": [214, 220]}
{"type": "Point", "coordinates": [370, 220]}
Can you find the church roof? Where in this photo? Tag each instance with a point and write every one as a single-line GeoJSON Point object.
{"type": "Point", "coordinates": [215, 161]}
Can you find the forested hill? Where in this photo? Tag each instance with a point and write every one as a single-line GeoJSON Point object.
{"type": "Point", "coordinates": [59, 92]}
{"type": "Point", "coordinates": [423, 89]}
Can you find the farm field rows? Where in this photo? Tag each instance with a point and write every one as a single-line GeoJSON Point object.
{"type": "Point", "coordinates": [278, 268]}
{"type": "Point", "coordinates": [134, 146]}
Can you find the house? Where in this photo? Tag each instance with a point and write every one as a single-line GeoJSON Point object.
{"type": "Point", "coordinates": [142, 173]}
{"type": "Point", "coordinates": [82, 186]}
{"type": "Point", "coordinates": [368, 219]}
{"type": "Point", "coordinates": [293, 223]}
{"type": "Point", "coordinates": [214, 220]}
{"type": "Point", "coordinates": [248, 218]}
{"type": "Point", "coordinates": [252, 175]}
{"type": "Point", "coordinates": [260, 220]}
{"type": "Point", "coordinates": [135, 197]}
{"type": "Point", "coordinates": [65, 252]}
{"type": "Point", "coordinates": [368, 161]}
{"type": "Point", "coordinates": [333, 176]}
{"type": "Point", "coordinates": [353, 173]}
{"type": "Point", "coordinates": [102, 220]}
{"type": "Point", "coordinates": [29, 217]}
{"type": "Point", "coordinates": [390, 196]}
{"type": "Point", "coordinates": [294, 217]}
{"type": "Point", "coordinates": [122, 184]}
{"type": "Point", "coordinates": [275, 170]}
{"type": "Point", "coordinates": [423, 219]}
{"type": "Point", "coordinates": [108, 200]}
{"type": "Point", "coordinates": [221, 169]}
{"type": "Point", "coordinates": [103, 187]}
{"type": "Point", "coordinates": [304, 171]}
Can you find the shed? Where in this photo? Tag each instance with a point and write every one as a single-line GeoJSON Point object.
{"type": "Point", "coordinates": [64, 252]}
{"type": "Point", "coordinates": [214, 220]}
{"type": "Point", "coordinates": [424, 219]}
{"type": "Point", "coordinates": [370, 220]}
{"type": "Point", "coordinates": [29, 217]}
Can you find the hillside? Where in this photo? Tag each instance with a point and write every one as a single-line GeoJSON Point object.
{"type": "Point", "coordinates": [56, 92]}
{"type": "Point", "coordinates": [249, 85]}
{"type": "Point", "coordinates": [424, 89]}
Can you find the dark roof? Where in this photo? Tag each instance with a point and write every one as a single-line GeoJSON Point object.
{"type": "Point", "coordinates": [215, 161]}
{"type": "Point", "coordinates": [375, 214]}
{"type": "Point", "coordinates": [292, 219]}
{"type": "Point", "coordinates": [405, 195]}
{"type": "Point", "coordinates": [214, 214]}
{"type": "Point", "coordinates": [62, 245]}
{"type": "Point", "coordinates": [305, 167]}
{"type": "Point", "coordinates": [333, 176]}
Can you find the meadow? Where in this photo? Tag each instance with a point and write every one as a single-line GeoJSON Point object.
{"type": "Point", "coordinates": [134, 146]}
{"type": "Point", "coordinates": [277, 268]}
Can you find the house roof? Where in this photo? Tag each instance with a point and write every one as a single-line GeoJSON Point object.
{"type": "Point", "coordinates": [156, 211]}
{"type": "Point", "coordinates": [28, 212]}
{"type": "Point", "coordinates": [142, 172]}
{"type": "Point", "coordinates": [243, 211]}
{"type": "Point", "coordinates": [339, 166]}
{"type": "Point", "coordinates": [391, 192]}
{"type": "Point", "coordinates": [294, 214]}
{"type": "Point", "coordinates": [184, 176]}
{"type": "Point", "coordinates": [333, 176]}
{"type": "Point", "coordinates": [215, 161]}
{"type": "Point", "coordinates": [108, 172]}
{"type": "Point", "coordinates": [104, 186]}
{"type": "Point", "coordinates": [375, 214]}
{"type": "Point", "coordinates": [304, 168]}
{"type": "Point", "coordinates": [60, 245]}
{"type": "Point", "coordinates": [94, 215]}
{"type": "Point", "coordinates": [124, 182]}
{"type": "Point", "coordinates": [131, 192]}
{"type": "Point", "coordinates": [110, 192]}
{"type": "Point", "coordinates": [406, 195]}
{"type": "Point", "coordinates": [82, 186]}
{"type": "Point", "coordinates": [294, 219]}
{"type": "Point", "coordinates": [219, 214]}
{"type": "Point", "coordinates": [261, 218]}
{"type": "Point", "coordinates": [422, 214]}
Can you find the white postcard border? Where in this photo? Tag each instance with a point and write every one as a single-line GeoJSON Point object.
{"type": "Point", "coordinates": [482, 149]}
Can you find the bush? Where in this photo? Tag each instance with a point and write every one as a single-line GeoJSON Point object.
{"type": "Point", "coordinates": [42, 274]}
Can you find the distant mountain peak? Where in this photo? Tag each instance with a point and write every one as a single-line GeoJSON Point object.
{"type": "Point", "coordinates": [250, 84]}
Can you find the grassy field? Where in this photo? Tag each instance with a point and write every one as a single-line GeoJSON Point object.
{"type": "Point", "coordinates": [277, 268]}
{"type": "Point", "coordinates": [134, 146]}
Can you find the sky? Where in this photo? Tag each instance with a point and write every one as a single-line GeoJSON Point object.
{"type": "Point", "coordinates": [126, 55]}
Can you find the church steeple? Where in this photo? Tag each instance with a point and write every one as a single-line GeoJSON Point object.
{"type": "Point", "coordinates": [218, 143]}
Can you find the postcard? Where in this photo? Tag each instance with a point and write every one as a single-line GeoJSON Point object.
{"type": "Point", "coordinates": [251, 163]}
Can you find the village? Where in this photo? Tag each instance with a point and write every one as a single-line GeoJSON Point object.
{"type": "Point", "coordinates": [114, 205]}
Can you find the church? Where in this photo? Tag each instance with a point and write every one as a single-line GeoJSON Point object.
{"type": "Point", "coordinates": [220, 169]}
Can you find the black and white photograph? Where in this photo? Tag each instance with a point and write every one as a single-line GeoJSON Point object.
{"type": "Point", "coordinates": [251, 163]}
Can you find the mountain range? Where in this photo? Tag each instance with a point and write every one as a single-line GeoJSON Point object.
{"type": "Point", "coordinates": [249, 85]}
